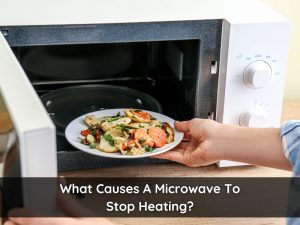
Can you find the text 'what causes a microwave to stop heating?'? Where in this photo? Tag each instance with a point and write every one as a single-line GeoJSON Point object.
{"type": "Point", "coordinates": [227, 188]}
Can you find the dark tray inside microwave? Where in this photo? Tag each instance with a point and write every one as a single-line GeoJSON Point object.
{"type": "Point", "coordinates": [66, 104]}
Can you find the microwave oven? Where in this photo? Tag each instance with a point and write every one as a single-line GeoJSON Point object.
{"type": "Point", "coordinates": [224, 60]}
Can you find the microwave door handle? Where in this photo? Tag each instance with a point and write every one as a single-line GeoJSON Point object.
{"type": "Point", "coordinates": [34, 129]}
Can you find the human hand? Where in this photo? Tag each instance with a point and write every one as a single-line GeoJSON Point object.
{"type": "Point", "coordinates": [210, 141]}
{"type": "Point", "coordinates": [71, 212]}
{"type": "Point", "coordinates": [54, 221]}
{"type": "Point", "coordinates": [203, 137]}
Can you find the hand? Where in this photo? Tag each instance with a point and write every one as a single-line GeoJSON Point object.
{"type": "Point", "coordinates": [68, 205]}
{"type": "Point", "coordinates": [209, 142]}
{"type": "Point", "coordinates": [200, 149]}
{"type": "Point", "coordinates": [56, 221]}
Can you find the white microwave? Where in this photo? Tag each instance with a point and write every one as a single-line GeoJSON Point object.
{"type": "Point", "coordinates": [224, 60]}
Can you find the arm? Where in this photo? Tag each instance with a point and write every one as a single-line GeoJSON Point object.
{"type": "Point", "coordinates": [210, 142]}
{"type": "Point", "coordinates": [258, 146]}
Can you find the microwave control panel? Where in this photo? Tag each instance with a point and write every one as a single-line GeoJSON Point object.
{"type": "Point", "coordinates": [252, 73]}
{"type": "Point", "coordinates": [256, 75]}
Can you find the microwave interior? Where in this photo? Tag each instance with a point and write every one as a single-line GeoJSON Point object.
{"type": "Point", "coordinates": [166, 71]}
{"type": "Point", "coordinates": [163, 69]}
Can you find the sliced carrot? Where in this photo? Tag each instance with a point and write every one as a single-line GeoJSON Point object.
{"type": "Point", "coordinates": [142, 114]}
{"type": "Point", "coordinates": [127, 144]}
{"type": "Point", "coordinates": [158, 135]}
{"type": "Point", "coordinates": [132, 142]}
{"type": "Point", "coordinates": [141, 134]}
{"type": "Point", "coordinates": [124, 146]}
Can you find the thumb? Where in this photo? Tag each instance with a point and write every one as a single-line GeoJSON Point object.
{"type": "Point", "coordinates": [183, 126]}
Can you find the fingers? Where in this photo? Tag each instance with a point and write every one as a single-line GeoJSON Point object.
{"type": "Point", "coordinates": [95, 221]}
{"type": "Point", "coordinates": [9, 222]}
{"type": "Point", "coordinates": [181, 147]}
{"type": "Point", "coordinates": [176, 156]}
{"type": "Point", "coordinates": [183, 126]}
{"type": "Point", "coordinates": [187, 136]}
{"type": "Point", "coordinates": [13, 220]}
{"type": "Point", "coordinates": [15, 217]}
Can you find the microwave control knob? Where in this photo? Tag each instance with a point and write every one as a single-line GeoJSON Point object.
{"type": "Point", "coordinates": [253, 117]}
{"type": "Point", "coordinates": [257, 74]}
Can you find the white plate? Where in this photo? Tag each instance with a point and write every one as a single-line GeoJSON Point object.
{"type": "Point", "coordinates": [73, 130]}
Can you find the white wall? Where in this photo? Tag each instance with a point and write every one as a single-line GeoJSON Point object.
{"type": "Point", "coordinates": [291, 9]}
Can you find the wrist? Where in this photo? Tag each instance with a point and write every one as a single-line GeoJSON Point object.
{"type": "Point", "coordinates": [225, 141]}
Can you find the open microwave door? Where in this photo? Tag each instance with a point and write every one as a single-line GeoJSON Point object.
{"type": "Point", "coordinates": [31, 133]}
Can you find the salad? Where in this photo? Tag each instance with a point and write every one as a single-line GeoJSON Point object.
{"type": "Point", "coordinates": [134, 132]}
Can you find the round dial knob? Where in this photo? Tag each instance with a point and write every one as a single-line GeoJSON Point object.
{"type": "Point", "coordinates": [257, 74]}
{"type": "Point", "coordinates": [253, 117]}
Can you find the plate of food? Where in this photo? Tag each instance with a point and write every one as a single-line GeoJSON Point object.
{"type": "Point", "coordinates": [123, 133]}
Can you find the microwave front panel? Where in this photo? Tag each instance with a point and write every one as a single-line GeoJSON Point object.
{"type": "Point", "coordinates": [34, 130]}
{"type": "Point", "coordinates": [252, 75]}
{"type": "Point", "coordinates": [251, 87]}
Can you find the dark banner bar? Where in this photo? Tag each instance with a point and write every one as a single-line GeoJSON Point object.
{"type": "Point", "coordinates": [153, 197]}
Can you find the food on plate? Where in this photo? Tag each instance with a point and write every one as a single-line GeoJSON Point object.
{"type": "Point", "coordinates": [133, 133]}
{"type": "Point", "coordinates": [170, 132]}
{"type": "Point", "coordinates": [138, 115]}
{"type": "Point", "coordinates": [92, 120]}
{"type": "Point", "coordinates": [158, 136]}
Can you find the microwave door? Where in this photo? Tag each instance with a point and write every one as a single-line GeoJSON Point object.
{"type": "Point", "coordinates": [29, 144]}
